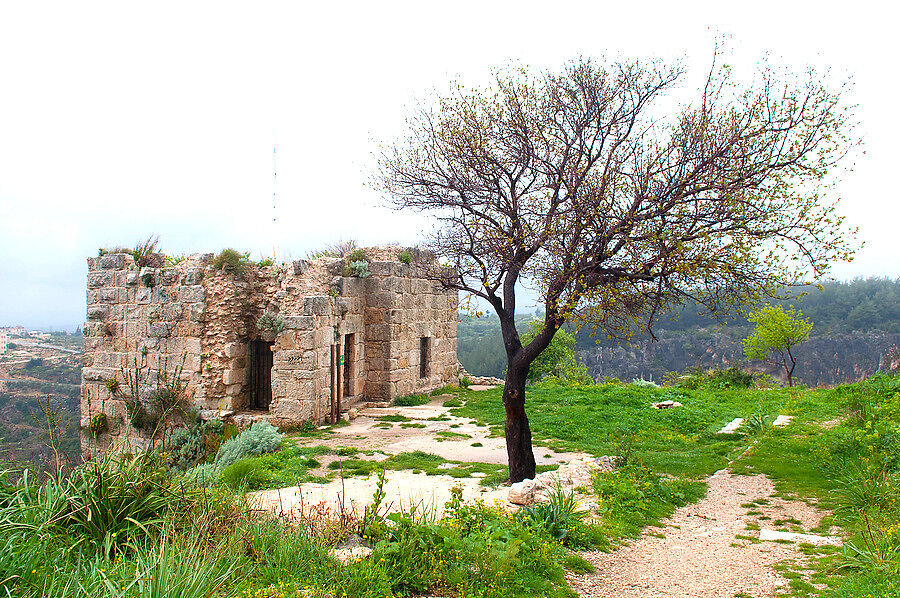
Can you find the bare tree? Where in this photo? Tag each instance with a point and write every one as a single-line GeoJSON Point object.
{"type": "Point", "coordinates": [616, 209]}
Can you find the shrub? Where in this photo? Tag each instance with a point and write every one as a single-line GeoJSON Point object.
{"type": "Point", "coordinates": [359, 268]}
{"type": "Point", "coordinates": [405, 257]}
{"type": "Point", "coordinates": [265, 262]}
{"type": "Point", "coordinates": [192, 445]}
{"type": "Point", "coordinates": [695, 378]}
{"type": "Point", "coordinates": [145, 254]}
{"type": "Point", "coordinates": [231, 260]}
{"type": "Point", "coordinates": [261, 437]}
{"type": "Point", "coordinates": [113, 501]}
{"type": "Point", "coordinates": [201, 476]}
{"type": "Point", "coordinates": [245, 473]}
{"type": "Point", "coordinates": [641, 383]}
{"type": "Point", "coordinates": [137, 414]}
{"type": "Point", "coordinates": [357, 255]}
{"type": "Point", "coordinates": [98, 424]}
{"type": "Point", "coordinates": [338, 249]}
{"type": "Point", "coordinates": [271, 322]}
{"type": "Point", "coordinates": [112, 385]}
{"type": "Point", "coordinates": [411, 400]}
{"type": "Point", "coordinates": [558, 517]}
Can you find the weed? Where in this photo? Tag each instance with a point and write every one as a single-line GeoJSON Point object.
{"type": "Point", "coordinates": [270, 322]}
{"type": "Point", "coordinates": [413, 400]}
{"type": "Point", "coordinates": [232, 261]}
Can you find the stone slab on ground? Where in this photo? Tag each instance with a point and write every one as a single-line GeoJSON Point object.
{"type": "Point", "coordinates": [482, 386]}
{"type": "Point", "coordinates": [782, 420]}
{"type": "Point", "coordinates": [732, 426]}
{"type": "Point", "coordinates": [773, 535]}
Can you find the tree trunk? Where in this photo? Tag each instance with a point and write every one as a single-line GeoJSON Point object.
{"type": "Point", "coordinates": [518, 432]}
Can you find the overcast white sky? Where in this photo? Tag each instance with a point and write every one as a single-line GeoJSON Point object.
{"type": "Point", "coordinates": [121, 119]}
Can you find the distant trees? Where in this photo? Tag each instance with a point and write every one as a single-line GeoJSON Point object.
{"type": "Point", "coordinates": [777, 332]}
{"type": "Point", "coordinates": [616, 207]}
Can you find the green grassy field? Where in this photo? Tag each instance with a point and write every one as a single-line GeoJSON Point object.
{"type": "Point", "coordinates": [136, 527]}
{"type": "Point", "coordinates": [601, 419]}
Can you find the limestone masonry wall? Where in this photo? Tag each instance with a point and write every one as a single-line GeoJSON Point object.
{"type": "Point", "coordinates": [193, 328]}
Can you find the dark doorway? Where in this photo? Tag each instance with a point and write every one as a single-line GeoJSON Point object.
{"type": "Point", "coordinates": [424, 356]}
{"type": "Point", "coordinates": [349, 365]}
{"type": "Point", "coordinates": [260, 375]}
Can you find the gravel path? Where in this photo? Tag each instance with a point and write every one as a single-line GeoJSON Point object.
{"type": "Point", "coordinates": [700, 555]}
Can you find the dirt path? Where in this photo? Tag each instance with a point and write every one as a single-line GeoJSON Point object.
{"type": "Point", "coordinates": [702, 553]}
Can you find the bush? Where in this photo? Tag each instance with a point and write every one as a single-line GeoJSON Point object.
{"type": "Point", "coordinates": [113, 501]}
{"type": "Point", "coordinates": [695, 378]}
{"type": "Point", "coordinates": [359, 268]}
{"type": "Point", "coordinates": [405, 257]}
{"type": "Point", "coordinates": [231, 260]}
{"type": "Point", "coordinates": [246, 473]}
{"type": "Point", "coordinates": [98, 424]}
{"type": "Point", "coordinates": [559, 517]}
{"type": "Point", "coordinates": [271, 322]}
{"type": "Point", "coordinates": [411, 400]}
{"type": "Point", "coordinates": [357, 255]}
{"type": "Point", "coordinates": [261, 437]}
{"type": "Point", "coordinates": [192, 445]}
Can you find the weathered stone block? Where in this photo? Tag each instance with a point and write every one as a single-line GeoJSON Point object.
{"type": "Point", "coordinates": [132, 278]}
{"type": "Point", "coordinates": [299, 322]}
{"type": "Point", "coordinates": [300, 267]}
{"type": "Point", "coordinates": [193, 294]}
{"type": "Point", "coordinates": [95, 280]}
{"type": "Point", "coordinates": [192, 276]}
{"type": "Point", "coordinates": [195, 311]}
{"type": "Point", "coordinates": [168, 276]}
{"type": "Point", "coordinates": [230, 377]}
{"type": "Point", "coordinates": [384, 269]}
{"type": "Point", "coordinates": [97, 312]}
{"type": "Point", "coordinates": [93, 263]}
{"type": "Point", "coordinates": [160, 329]}
{"type": "Point", "coordinates": [232, 350]}
{"type": "Point", "coordinates": [192, 345]}
{"type": "Point", "coordinates": [112, 261]}
{"type": "Point", "coordinates": [143, 295]}
{"type": "Point", "coordinates": [109, 295]}
{"type": "Point", "coordinates": [317, 305]}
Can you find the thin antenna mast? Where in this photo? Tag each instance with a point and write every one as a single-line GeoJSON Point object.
{"type": "Point", "coordinates": [274, 198]}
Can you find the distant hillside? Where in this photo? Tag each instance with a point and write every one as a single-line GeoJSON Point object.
{"type": "Point", "coordinates": [854, 325]}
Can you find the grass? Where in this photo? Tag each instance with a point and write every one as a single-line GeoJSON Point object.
{"type": "Point", "coordinates": [846, 470]}
{"type": "Point", "coordinates": [680, 441]}
{"type": "Point", "coordinates": [412, 400]}
{"type": "Point", "coordinates": [128, 528]}
{"type": "Point", "coordinates": [422, 462]}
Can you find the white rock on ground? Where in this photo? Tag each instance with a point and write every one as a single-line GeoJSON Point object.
{"type": "Point", "coordinates": [572, 476]}
{"type": "Point", "coordinates": [732, 426]}
{"type": "Point", "coordinates": [782, 420]}
{"type": "Point", "coordinates": [772, 535]}
{"type": "Point", "coordinates": [667, 404]}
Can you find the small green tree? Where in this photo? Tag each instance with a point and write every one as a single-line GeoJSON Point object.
{"type": "Point", "coordinates": [777, 331]}
{"type": "Point", "coordinates": [558, 359]}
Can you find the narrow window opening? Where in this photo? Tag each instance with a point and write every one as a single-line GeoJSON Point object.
{"type": "Point", "coordinates": [424, 357]}
{"type": "Point", "coordinates": [261, 361]}
{"type": "Point", "coordinates": [349, 365]}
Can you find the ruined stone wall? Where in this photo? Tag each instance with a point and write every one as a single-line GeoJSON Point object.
{"type": "Point", "coordinates": [143, 329]}
{"type": "Point", "coordinates": [195, 323]}
{"type": "Point", "coordinates": [404, 306]}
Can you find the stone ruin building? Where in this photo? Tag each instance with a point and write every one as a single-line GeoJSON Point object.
{"type": "Point", "coordinates": [294, 343]}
